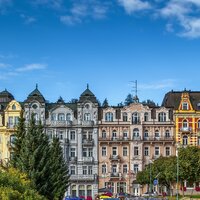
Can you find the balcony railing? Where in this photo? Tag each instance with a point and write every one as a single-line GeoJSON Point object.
{"type": "Point", "coordinates": [88, 123]}
{"type": "Point", "coordinates": [158, 138]}
{"type": "Point", "coordinates": [88, 142]}
{"type": "Point", "coordinates": [114, 139]}
{"type": "Point", "coordinates": [82, 177]}
{"type": "Point", "coordinates": [185, 129]}
{"type": "Point", "coordinates": [72, 159]}
{"type": "Point", "coordinates": [88, 159]}
{"type": "Point", "coordinates": [136, 138]}
{"type": "Point", "coordinates": [114, 157]}
{"type": "Point", "coordinates": [57, 123]}
{"type": "Point", "coordinates": [114, 174]}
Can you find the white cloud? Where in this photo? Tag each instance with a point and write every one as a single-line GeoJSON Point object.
{"type": "Point", "coordinates": [4, 65]}
{"type": "Point", "coordinates": [54, 4]}
{"type": "Point", "coordinates": [70, 20]}
{"type": "Point", "coordinates": [28, 19]}
{"type": "Point", "coordinates": [31, 67]}
{"type": "Point", "coordinates": [4, 4]}
{"type": "Point", "coordinates": [168, 83]}
{"type": "Point", "coordinates": [131, 6]}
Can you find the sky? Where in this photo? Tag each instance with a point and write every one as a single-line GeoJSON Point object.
{"type": "Point", "coordinates": [63, 45]}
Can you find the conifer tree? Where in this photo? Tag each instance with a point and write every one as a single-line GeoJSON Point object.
{"type": "Point", "coordinates": [34, 157]}
{"type": "Point", "coordinates": [17, 143]}
{"type": "Point", "coordinates": [105, 103]}
{"type": "Point", "coordinates": [128, 100]}
{"type": "Point", "coordinates": [59, 168]}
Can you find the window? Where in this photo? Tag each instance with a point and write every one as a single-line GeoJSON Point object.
{"type": "Point", "coordinates": [72, 135]}
{"type": "Point", "coordinates": [12, 139]}
{"type": "Point", "coordinates": [135, 168]}
{"type": "Point", "coordinates": [125, 151]}
{"type": "Point", "coordinates": [185, 140]}
{"type": "Point", "coordinates": [136, 151]}
{"type": "Point", "coordinates": [135, 118]}
{"type": "Point", "coordinates": [167, 134]}
{"type": "Point", "coordinates": [81, 190]}
{"type": "Point", "coordinates": [103, 169]}
{"type": "Point", "coordinates": [60, 135]}
{"type": "Point", "coordinates": [84, 170]}
{"type": "Point", "coordinates": [184, 106]}
{"type": "Point", "coordinates": [68, 117]}
{"type": "Point", "coordinates": [84, 136]}
{"type": "Point", "coordinates": [162, 117]}
{"type": "Point", "coordinates": [146, 116]}
{"type": "Point", "coordinates": [87, 117]}
{"type": "Point", "coordinates": [185, 123]}
{"type": "Point", "coordinates": [157, 135]}
{"type": "Point", "coordinates": [89, 190]}
{"type": "Point", "coordinates": [84, 152]}
{"type": "Point", "coordinates": [34, 106]}
{"type": "Point", "coordinates": [13, 107]}
{"type": "Point", "coordinates": [146, 151]}
{"type": "Point", "coordinates": [198, 124]}
{"type": "Point", "coordinates": [90, 171]}
{"type": "Point", "coordinates": [114, 151]}
{"type": "Point", "coordinates": [50, 134]}
{"type": "Point", "coordinates": [125, 134]}
{"type": "Point", "coordinates": [146, 134]}
{"type": "Point", "coordinates": [104, 151]}
{"type": "Point", "coordinates": [61, 117]}
{"type": "Point", "coordinates": [125, 169]}
{"type": "Point", "coordinates": [104, 134]}
{"type": "Point", "coordinates": [74, 190]}
{"type": "Point", "coordinates": [114, 134]}
{"type": "Point", "coordinates": [36, 117]}
{"type": "Point", "coordinates": [167, 151]}
{"type": "Point", "coordinates": [90, 152]}
{"type": "Point", "coordinates": [10, 121]}
{"type": "Point", "coordinates": [90, 136]}
{"type": "Point", "coordinates": [125, 117]}
{"type": "Point", "coordinates": [157, 151]}
{"type": "Point", "coordinates": [109, 117]}
{"type": "Point", "coordinates": [87, 106]}
{"type": "Point", "coordinates": [72, 170]}
{"type": "Point", "coordinates": [53, 117]}
{"type": "Point", "coordinates": [198, 106]}
{"type": "Point", "coordinates": [135, 132]}
{"type": "Point", "coordinates": [73, 152]}
{"type": "Point", "coordinates": [114, 168]}
{"type": "Point", "coordinates": [121, 187]}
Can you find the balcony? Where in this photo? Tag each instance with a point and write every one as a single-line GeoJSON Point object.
{"type": "Point", "coordinates": [60, 123]}
{"type": "Point", "coordinates": [137, 157]}
{"type": "Point", "coordinates": [150, 139]}
{"type": "Point", "coordinates": [88, 159]}
{"type": "Point", "coordinates": [114, 158]}
{"type": "Point", "coordinates": [114, 174]}
{"type": "Point", "coordinates": [136, 138]}
{"type": "Point", "coordinates": [82, 177]}
{"type": "Point", "coordinates": [114, 139]}
{"type": "Point", "coordinates": [72, 159]}
{"type": "Point", "coordinates": [185, 129]}
{"type": "Point", "coordinates": [88, 123]}
{"type": "Point", "coordinates": [88, 142]}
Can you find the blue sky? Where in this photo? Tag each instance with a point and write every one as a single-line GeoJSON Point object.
{"type": "Point", "coordinates": [64, 44]}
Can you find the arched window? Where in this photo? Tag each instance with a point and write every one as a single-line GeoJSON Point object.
{"type": "Point", "coordinates": [87, 117]}
{"type": "Point", "coordinates": [36, 116]}
{"type": "Point", "coordinates": [73, 192]}
{"type": "Point", "coordinates": [81, 190]}
{"type": "Point", "coordinates": [185, 124]}
{"type": "Point", "coordinates": [68, 117]}
{"type": "Point", "coordinates": [135, 118]}
{"type": "Point", "coordinates": [114, 134]}
{"type": "Point", "coordinates": [13, 107]}
{"type": "Point", "coordinates": [53, 117]}
{"type": "Point", "coordinates": [103, 169]}
{"type": "Point", "coordinates": [162, 117]}
{"type": "Point", "coordinates": [136, 132]}
{"type": "Point", "coordinates": [146, 117]}
{"type": "Point", "coordinates": [185, 140]}
{"type": "Point", "coordinates": [109, 117]}
{"type": "Point", "coordinates": [125, 117]}
{"type": "Point", "coordinates": [61, 117]}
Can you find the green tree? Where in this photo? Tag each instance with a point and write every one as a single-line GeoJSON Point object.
{"type": "Point", "coordinates": [34, 157]}
{"type": "Point", "coordinates": [60, 179]}
{"type": "Point", "coordinates": [128, 100]}
{"type": "Point", "coordinates": [17, 143]}
{"type": "Point", "coordinates": [15, 185]}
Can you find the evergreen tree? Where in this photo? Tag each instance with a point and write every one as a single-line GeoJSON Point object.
{"type": "Point", "coordinates": [17, 143]}
{"type": "Point", "coordinates": [105, 103]}
{"type": "Point", "coordinates": [34, 157]}
{"type": "Point", "coordinates": [59, 168]}
{"type": "Point", "coordinates": [128, 100]}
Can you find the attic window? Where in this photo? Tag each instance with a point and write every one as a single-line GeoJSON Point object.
{"type": "Point", "coordinates": [184, 106]}
{"type": "Point", "coordinates": [13, 107]}
{"type": "Point", "coordinates": [34, 106]}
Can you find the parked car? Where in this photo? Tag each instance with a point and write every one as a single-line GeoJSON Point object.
{"type": "Point", "coordinates": [149, 194]}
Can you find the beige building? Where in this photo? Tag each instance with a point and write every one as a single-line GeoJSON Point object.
{"type": "Point", "coordinates": [131, 137]}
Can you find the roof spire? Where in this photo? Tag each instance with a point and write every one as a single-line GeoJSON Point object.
{"type": "Point", "coordinates": [87, 86]}
{"type": "Point", "coordinates": [36, 86]}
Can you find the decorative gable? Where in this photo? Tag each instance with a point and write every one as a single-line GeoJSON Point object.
{"type": "Point", "coordinates": [185, 103]}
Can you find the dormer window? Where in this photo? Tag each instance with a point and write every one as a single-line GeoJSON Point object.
{"type": "Point", "coordinates": [125, 117]}
{"type": "Point", "coordinates": [34, 106]}
{"type": "Point", "coordinates": [146, 117]}
{"type": "Point", "coordinates": [87, 106]}
{"type": "Point", "coordinates": [184, 106]}
{"type": "Point", "coordinates": [162, 117]}
{"type": "Point", "coordinates": [53, 117]}
{"type": "Point", "coordinates": [87, 117]}
{"type": "Point", "coordinates": [61, 117]}
{"type": "Point", "coordinates": [68, 116]}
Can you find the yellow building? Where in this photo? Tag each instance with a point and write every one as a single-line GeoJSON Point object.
{"type": "Point", "coordinates": [9, 115]}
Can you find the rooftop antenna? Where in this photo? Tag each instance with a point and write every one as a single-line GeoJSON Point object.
{"type": "Point", "coordinates": [135, 91]}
